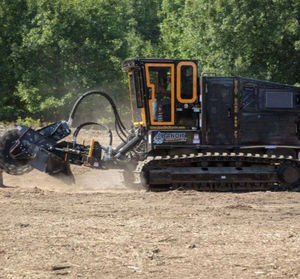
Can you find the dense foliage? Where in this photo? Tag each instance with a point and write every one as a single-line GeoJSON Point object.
{"type": "Point", "coordinates": [51, 51]}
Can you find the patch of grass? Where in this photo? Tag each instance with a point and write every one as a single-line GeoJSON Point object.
{"type": "Point", "coordinates": [30, 122]}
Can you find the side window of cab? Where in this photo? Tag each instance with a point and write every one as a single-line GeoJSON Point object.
{"type": "Point", "coordinates": [186, 82]}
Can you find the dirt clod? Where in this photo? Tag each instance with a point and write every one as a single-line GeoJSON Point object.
{"type": "Point", "coordinates": [60, 267]}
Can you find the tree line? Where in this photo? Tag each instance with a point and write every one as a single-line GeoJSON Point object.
{"type": "Point", "coordinates": [52, 51]}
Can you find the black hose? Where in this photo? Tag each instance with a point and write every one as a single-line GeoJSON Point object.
{"type": "Point", "coordinates": [76, 132]}
{"type": "Point", "coordinates": [118, 133]}
{"type": "Point", "coordinates": [118, 122]}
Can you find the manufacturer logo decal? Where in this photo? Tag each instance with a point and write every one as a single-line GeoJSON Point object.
{"type": "Point", "coordinates": [160, 138]}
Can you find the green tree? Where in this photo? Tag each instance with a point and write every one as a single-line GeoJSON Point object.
{"type": "Point", "coordinates": [257, 38]}
{"type": "Point", "coordinates": [68, 47]}
{"type": "Point", "coordinates": [144, 28]}
{"type": "Point", "coordinates": [12, 18]}
{"type": "Point", "coordinates": [51, 51]}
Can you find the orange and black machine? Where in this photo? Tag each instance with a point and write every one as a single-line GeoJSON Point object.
{"type": "Point", "coordinates": [209, 131]}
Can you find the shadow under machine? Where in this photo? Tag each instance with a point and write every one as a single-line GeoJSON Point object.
{"type": "Point", "coordinates": [211, 133]}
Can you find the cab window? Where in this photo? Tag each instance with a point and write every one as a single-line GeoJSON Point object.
{"type": "Point", "coordinates": [136, 95]}
{"type": "Point", "coordinates": [136, 87]}
{"type": "Point", "coordinates": [186, 82]}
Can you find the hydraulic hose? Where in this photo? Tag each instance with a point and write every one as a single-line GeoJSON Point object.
{"type": "Point", "coordinates": [120, 128]}
{"type": "Point", "coordinates": [76, 132]}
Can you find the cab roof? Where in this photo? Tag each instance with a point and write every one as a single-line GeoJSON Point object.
{"type": "Point", "coordinates": [138, 62]}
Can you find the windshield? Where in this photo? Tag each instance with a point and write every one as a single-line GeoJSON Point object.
{"type": "Point", "coordinates": [136, 95]}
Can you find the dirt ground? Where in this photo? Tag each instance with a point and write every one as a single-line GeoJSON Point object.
{"type": "Point", "coordinates": [97, 228]}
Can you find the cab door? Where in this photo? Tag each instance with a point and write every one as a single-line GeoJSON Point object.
{"type": "Point", "coordinates": [160, 82]}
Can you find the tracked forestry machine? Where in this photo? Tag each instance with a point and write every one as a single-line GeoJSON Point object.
{"type": "Point", "coordinates": [211, 133]}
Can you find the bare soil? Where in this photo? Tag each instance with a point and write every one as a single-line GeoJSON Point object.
{"type": "Point", "coordinates": [98, 228]}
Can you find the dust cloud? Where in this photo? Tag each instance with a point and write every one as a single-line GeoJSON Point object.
{"type": "Point", "coordinates": [85, 180]}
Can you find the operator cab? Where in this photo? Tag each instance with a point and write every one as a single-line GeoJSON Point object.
{"type": "Point", "coordinates": [166, 99]}
{"type": "Point", "coordinates": [164, 93]}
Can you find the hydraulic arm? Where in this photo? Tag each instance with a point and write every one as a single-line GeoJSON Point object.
{"type": "Point", "coordinates": [44, 149]}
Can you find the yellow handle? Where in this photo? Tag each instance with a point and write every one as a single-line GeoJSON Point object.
{"type": "Point", "coordinates": [91, 148]}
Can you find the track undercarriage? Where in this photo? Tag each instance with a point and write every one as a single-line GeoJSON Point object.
{"type": "Point", "coordinates": [218, 172]}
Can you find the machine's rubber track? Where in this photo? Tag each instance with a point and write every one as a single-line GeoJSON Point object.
{"type": "Point", "coordinates": [141, 174]}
